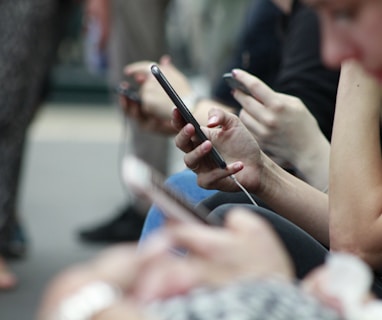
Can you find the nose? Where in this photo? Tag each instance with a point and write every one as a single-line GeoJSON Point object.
{"type": "Point", "coordinates": [337, 47]}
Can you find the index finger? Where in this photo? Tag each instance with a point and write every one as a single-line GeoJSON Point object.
{"type": "Point", "coordinates": [258, 89]}
{"type": "Point", "coordinates": [218, 117]}
{"type": "Point", "coordinates": [197, 239]}
{"type": "Point", "coordinates": [212, 238]}
{"type": "Point", "coordinates": [140, 67]}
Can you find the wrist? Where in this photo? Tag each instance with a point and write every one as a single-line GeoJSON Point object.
{"type": "Point", "coordinates": [313, 164]}
{"type": "Point", "coordinates": [271, 180]}
{"type": "Point", "coordinates": [264, 167]}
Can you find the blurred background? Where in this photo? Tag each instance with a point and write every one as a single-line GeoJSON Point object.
{"type": "Point", "coordinates": [71, 168]}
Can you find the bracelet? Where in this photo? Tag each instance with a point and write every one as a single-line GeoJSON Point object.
{"type": "Point", "coordinates": [88, 301]}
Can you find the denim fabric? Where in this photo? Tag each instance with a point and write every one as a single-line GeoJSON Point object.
{"type": "Point", "coordinates": [184, 182]}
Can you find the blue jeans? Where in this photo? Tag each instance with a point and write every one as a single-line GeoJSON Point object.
{"type": "Point", "coordinates": [184, 182]}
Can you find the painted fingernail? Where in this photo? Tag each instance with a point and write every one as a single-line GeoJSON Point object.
{"type": "Point", "coordinates": [212, 120]}
{"type": "Point", "coordinates": [237, 165]}
{"type": "Point", "coordinates": [206, 146]}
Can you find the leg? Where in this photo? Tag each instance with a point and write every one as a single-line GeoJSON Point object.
{"type": "Point", "coordinates": [222, 197]}
{"type": "Point", "coordinates": [29, 51]}
{"type": "Point", "coordinates": [306, 252]}
{"type": "Point", "coordinates": [137, 33]}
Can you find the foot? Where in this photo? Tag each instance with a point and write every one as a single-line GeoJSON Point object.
{"type": "Point", "coordinates": [126, 226]}
{"type": "Point", "coordinates": [7, 278]}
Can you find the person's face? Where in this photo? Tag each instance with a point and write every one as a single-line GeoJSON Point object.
{"type": "Point", "coordinates": [351, 29]}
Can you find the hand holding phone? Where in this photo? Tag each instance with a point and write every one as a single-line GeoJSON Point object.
{"type": "Point", "coordinates": [145, 182]}
{"type": "Point", "coordinates": [234, 83]}
{"type": "Point", "coordinates": [129, 92]}
{"type": "Point", "coordinates": [185, 112]}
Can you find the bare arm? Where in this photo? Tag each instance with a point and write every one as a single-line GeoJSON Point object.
{"type": "Point", "coordinates": [296, 200]}
{"type": "Point", "coordinates": [155, 112]}
{"type": "Point", "coordinates": [355, 191]}
{"type": "Point", "coordinates": [284, 127]}
{"type": "Point", "coordinates": [284, 193]}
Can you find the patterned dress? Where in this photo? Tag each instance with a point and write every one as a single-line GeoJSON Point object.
{"type": "Point", "coordinates": [28, 38]}
{"type": "Point", "coordinates": [252, 300]}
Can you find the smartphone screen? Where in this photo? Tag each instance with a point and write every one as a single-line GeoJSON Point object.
{"type": "Point", "coordinates": [185, 112]}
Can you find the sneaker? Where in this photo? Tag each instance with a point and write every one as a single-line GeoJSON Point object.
{"type": "Point", "coordinates": [126, 226]}
{"type": "Point", "coordinates": [13, 242]}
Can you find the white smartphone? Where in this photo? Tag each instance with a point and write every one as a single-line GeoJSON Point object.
{"type": "Point", "coordinates": [145, 182]}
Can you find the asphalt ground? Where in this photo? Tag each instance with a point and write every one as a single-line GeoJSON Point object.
{"type": "Point", "coordinates": [70, 180]}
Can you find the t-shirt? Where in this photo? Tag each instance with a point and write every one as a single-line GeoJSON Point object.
{"type": "Point", "coordinates": [284, 51]}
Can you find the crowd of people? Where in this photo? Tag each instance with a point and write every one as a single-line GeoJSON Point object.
{"type": "Point", "coordinates": [305, 141]}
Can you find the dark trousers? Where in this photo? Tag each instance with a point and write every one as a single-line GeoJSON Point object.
{"type": "Point", "coordinates": [306, 252]}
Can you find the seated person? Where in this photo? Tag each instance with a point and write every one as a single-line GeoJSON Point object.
{"type": "Point", "coordinates": [258, 38]}
{"type": "Point", "coordinates": [222, 278]}
{"type": "Point", "coordinates": [299, 73]}
{"type": "Point", "coordinates": [296, 202]}
{"type": "Point", "coordinates": [295, 137]}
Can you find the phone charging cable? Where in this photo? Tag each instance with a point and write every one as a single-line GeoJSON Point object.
{"type": "Point", "coordinates": [233, 177]}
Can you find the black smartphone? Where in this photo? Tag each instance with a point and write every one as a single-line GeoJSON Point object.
{"type": "Point", "coordinates": [234, 83]}
{"type": "Point", "coordinates": [186, 114]}
{"type": "Point", "coordinates": [145, 182]}
{"type": "Point", "coordinates": [129, 92]}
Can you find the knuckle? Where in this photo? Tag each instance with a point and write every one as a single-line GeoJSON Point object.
{"type": "Point", "coordinates": [254, 85]}
{"type": "Point", "coordinates": [278, 105]}
{"type": "Point", "coordinates": [271, 122]}
{"type": "Point", "coordinates": [204, 183]}
{"type": "Point", "coordinates": [187, 163]}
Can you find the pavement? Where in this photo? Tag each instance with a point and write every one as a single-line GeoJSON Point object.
{"type": "Point", "coordinates": [70, 180]}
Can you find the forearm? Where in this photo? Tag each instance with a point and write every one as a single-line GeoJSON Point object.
{"type": "Point", "coordinates": [295, 200]}
{"type": "Point", "coordinates": [313, 163]}
{"type": "Point", "coordinates": [356, 168]}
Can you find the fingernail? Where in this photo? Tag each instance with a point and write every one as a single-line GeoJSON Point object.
{"type": "Point", "coordinates": [237, 165]}
{"type": "Point", "coordinates": [189, 129]}
{"type": "Point", "coordinates": [155, 243]}
{"type": "Point", "coordinates": [234, 72]}
{"type": "Point", "coordinates": [212, 120]}
{"type": "Point", "coordinates": [206, 146]}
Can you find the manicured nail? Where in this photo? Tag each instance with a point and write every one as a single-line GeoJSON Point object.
{"type": "Point", "coordinates": [212, 120]}
{"type": "Point", "coordinates": [237, 165]}
{"type": "Point", "coordinates": [206, 146]}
